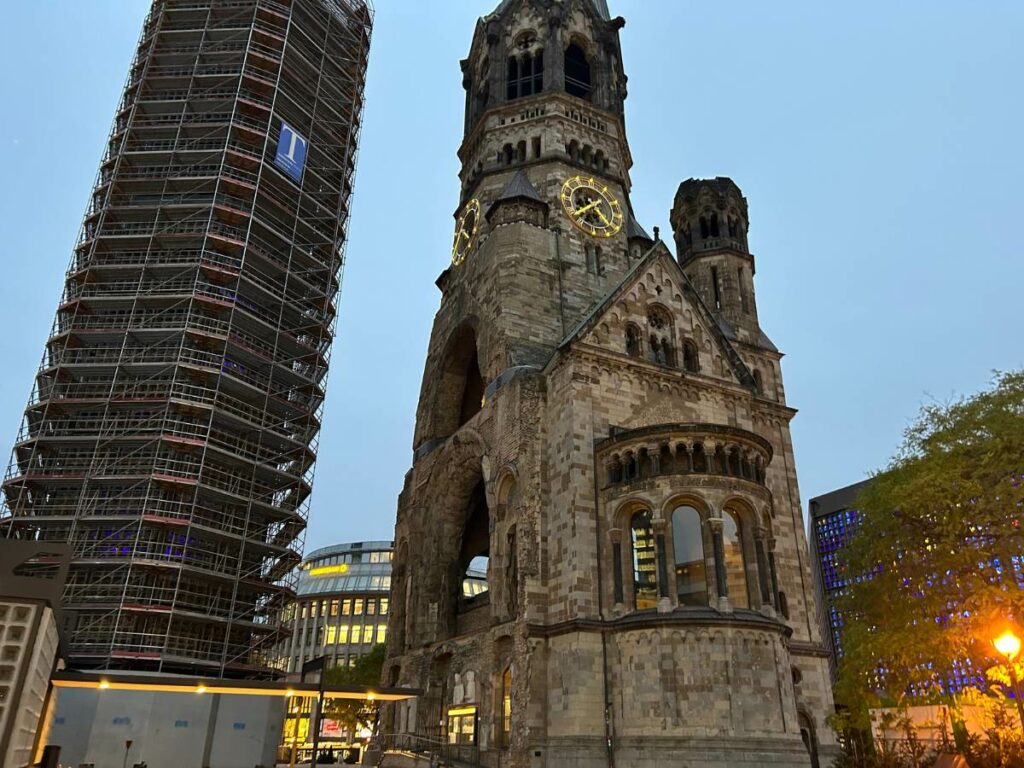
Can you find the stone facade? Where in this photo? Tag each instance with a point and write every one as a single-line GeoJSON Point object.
{"type": "Point", "coordinates": [607, 425]}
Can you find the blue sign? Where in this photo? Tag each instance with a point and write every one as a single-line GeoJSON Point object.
{"type": "Point", "coordinates": [239, 726]}
{"type": "Point", "coordinates": [291, 152]}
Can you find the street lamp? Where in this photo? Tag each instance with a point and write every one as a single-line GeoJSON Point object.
{"type": "Point", "coordinates": [1008, 645]}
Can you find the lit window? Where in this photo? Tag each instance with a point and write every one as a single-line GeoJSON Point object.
{"type": "Point", "coordinates": [688, 542]}
{"type": "Point", "coordinates": [332, 635]}
{"type": "Point", "coordinates": [384, 606]}
{"type": "Point", "coordinates": [346, 607]}
{"type": "Point", "coordinates": [343, 634]}
{"type": "Point", "coordinates": [371, 607]}
{"type": "Point", "coordinates": [334, 607]}
{"type": "Point", "coordinates": [358, 607]}
{"type": "Point", "coordinates": [645, 576]}
{"type": "Point", "coordinates": [735, 566]}
{"type": "Point", "coordinates": [506, 707]}
{"type": "Point", "coordinates": [382, 633]}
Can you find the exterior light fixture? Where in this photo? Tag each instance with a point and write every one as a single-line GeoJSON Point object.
{"type": "Point", "coordinates": [200, 688]}
{"type": "Point", "coordinates": [1008, 646]}
{"type": "Point", "coordinates": [104, 684]}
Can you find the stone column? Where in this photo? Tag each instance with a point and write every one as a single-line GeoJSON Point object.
{"type": "Point", "coordinates": [718, 550]}
{"type": "Point", "coordinates": [664, 603]}
{"type": "Point", "coordinates": [554, 53]}
{"type": "Point", "coordinates": [654, 455]}
{"type": "Point", "coordinates": [762, 570]}
{"type": "Point", "coordinates": [615, 534]}
{"type": "Point", "coordinates": [770, 544]}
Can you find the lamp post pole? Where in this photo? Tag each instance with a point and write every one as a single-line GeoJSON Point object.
{"type": "Point", "coordinates": [1017, 694]}
{"type": "Point", "coordinates": [318, 702]}
{"type": "Point", "coordinates": [1008, 645]}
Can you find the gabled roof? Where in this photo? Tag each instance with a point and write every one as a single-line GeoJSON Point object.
{"type": "Point", "coordinates": [723, 335]}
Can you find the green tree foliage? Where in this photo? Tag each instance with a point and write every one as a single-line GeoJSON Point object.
{"type": "Point", "coordinates": [931, 566]}
{"type": "Point", "coordinates": [365, 673]}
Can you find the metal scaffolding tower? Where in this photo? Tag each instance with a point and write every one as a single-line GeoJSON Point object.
{"type": "Point", "coordinates": [172, 430]}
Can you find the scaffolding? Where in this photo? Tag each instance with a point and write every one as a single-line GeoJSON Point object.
{"type": "Point", "coordinates": [172, 430]}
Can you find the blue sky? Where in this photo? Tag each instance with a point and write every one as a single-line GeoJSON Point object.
{"type": "Point", "coordinates": [878, 145]}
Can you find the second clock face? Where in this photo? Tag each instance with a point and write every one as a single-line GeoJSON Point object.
{"type": "Point", "coordinates": [466, 230]}
{"type": "Point", "coordinates": [591, 206]}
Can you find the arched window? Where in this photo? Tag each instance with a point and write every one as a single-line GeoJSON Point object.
{"type": "Point", "coordinates": [633, 343]}
{"type": "Point", "coordinates": [735, 564]}
{"type": "Point", "coordinates": [691, 360]}
{"type": "Point", "coordinates": [577, 72]}
{"type": "Point", "coordinates": [700, 459]}
{"type": "Point", "coordinates": [691, 569]}
{"type": "Point", "coordinates": [513, 78]}
{"type": "Point", "coordinates": [703, 227]}
{"type": "Point", "coordinates": [525, 75]}
{"type": "Point", "coordinates": [506, 707]}
{"type": "Point", "coordinates": [645, 564]}
{"type": "Point", "coordinates": [714, 225]}
{"type": "Point", "coordinates": [758, 382]}
{"type": "Point", "coordinates": [475, 550]}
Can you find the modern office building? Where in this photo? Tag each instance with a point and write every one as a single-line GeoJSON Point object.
{"type": "Point", "coordinates": [172, 430]}
{"type": "Point", "coordinates": [31, 577]}
{"type": "Point", "coordinates": [341, 608]}
{"type": "Point", "coordinates": [834, 519]}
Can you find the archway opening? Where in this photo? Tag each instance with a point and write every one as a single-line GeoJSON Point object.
{"type": "Point", "coordinates": [577, 72]}
{"type": "Point", "coordinates": [461, 390]}
{"type": "Point", "coordinates": [475, 552]}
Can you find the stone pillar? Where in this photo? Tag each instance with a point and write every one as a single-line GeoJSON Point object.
{"type": "Point", "coordinates": [654, 454]}
{"type": "Point", "coordinates": [554, 53]}
{"type": "Point", "coordinates": [718, 550]}
{"type": "Point", "coordinates": [770, 544]}
{"type": "Point", "coordinates": [616, 536]}
{"type": "Point", "coordinates": [664, 603]}
{"type": "Point", "coordinates": [762, 570]}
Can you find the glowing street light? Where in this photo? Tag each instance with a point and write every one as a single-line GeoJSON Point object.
{"type": "Point", "coordinates": [1008, 646]}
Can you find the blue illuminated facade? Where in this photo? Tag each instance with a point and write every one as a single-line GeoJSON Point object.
{"type": "Point", "coordinates": [834, 519]}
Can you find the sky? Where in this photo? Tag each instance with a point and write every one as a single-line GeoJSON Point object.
{"type": "Point", "coordinates": [878, 145]}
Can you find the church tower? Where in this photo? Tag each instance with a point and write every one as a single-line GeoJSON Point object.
{"type": "Point", "coordinates": [600, 555]}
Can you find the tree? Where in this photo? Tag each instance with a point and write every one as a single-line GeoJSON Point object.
{"type": "Point", "coordinates": [937, 562]}
{"type": "Point", "coordinates": [354, 714]}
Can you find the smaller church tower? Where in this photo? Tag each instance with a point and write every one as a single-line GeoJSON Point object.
{"type": "Point", "coordinates": [709, 219]}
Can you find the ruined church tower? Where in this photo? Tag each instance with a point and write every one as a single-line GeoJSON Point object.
{"type": "Point", "coordinates": [600, 557]}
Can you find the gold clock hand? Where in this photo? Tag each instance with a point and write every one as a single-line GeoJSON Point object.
{"type": "Point", "coordinates": [603, 217]}
{"type": "Point", "coordinates": [586, 208]}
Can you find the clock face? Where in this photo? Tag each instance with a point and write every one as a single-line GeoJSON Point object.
{"type": "Point", "coordinates": [466, 230]}
{"type": "Point", "coordinates": [591, 206]}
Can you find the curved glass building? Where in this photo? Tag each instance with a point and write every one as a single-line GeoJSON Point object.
{"type": "Point", "coordinates": [341, 608]}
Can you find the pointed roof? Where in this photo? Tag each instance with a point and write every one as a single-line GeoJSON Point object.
{"type": "Point", "coordinates": [519, 188]}
{"type": "Point", "coordinates": [633, 229]}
